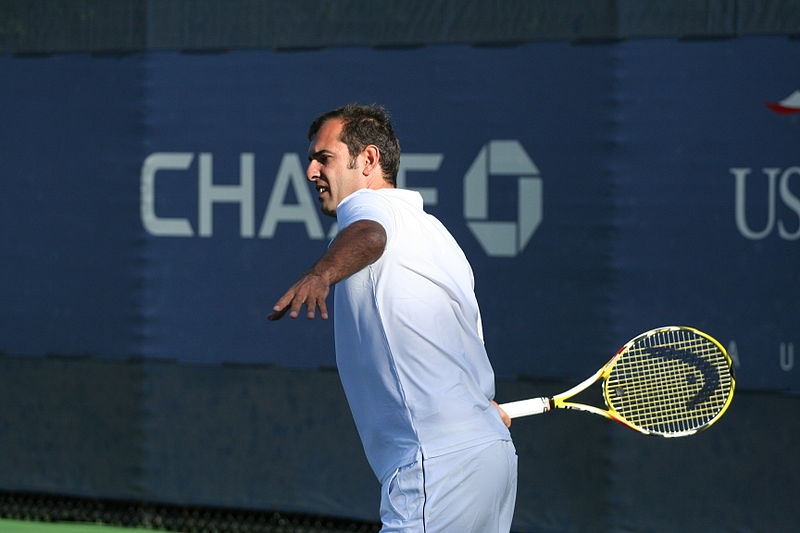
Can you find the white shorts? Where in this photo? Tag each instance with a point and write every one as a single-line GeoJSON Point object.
{"type": "Point", "coordinates": [470, 491]}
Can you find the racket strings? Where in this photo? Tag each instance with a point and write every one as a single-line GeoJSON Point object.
{"type": "Point", "coordinates": [679, 405]}
{"type": "Point", "coordinates": [674, 396]}
{"type": "Point", "coordinates": [669, 383]}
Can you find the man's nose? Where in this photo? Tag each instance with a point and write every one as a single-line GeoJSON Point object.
{"type": "Point", "coordinates": [312, 171]}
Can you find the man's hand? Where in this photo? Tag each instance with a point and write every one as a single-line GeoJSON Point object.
{"type": "Point", "coordinates": [311, 290]}
{"type": "Point", "coordinates": [356, 246]}
{"type": "Point", "coordinates": [503, 415]}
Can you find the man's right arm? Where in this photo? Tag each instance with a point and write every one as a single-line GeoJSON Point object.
{"type": "Point", "coordinates": [357, 246]}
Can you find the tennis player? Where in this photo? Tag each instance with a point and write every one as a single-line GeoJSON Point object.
{"type": "Point", "coordinates": [409, 342]}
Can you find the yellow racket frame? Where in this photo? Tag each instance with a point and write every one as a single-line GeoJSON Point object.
{"type": "Point", "coordinates": [607, 370]}
{"type": "Point", "coordinates": [561, 401]}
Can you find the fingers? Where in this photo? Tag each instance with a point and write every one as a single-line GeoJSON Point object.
{"type": "Point", "coordinates": [308, 292]}
{"type": "Point", "coordinates": [278, 313]}
{"type": "Point", "coordinates": [292, 308]}
{"type": "Point", "coordinates": [503, 415]}
{"type": "Point", "coordinates": [311, 308]}
{"type": "Point", "coordinates": [281, 307]}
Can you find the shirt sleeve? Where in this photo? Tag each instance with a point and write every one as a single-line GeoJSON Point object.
{"type": "Point", "coordinates": [366, 205]}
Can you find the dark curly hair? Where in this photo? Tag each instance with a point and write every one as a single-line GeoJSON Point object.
{"type": "Point", "coordinates": [364, 125]}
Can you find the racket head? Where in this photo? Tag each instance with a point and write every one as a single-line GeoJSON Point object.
{"type": "Point", "coordinates": [672, 381]}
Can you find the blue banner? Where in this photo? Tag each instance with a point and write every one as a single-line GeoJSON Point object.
{"type": "Point", "coordinates": [156, 204]}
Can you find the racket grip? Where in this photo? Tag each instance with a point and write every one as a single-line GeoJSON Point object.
{"type": "Point", "coordinates": [534, 406]}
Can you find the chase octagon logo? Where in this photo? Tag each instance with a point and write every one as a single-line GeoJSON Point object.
{"type": "Point", "coordinates": [504, 159]}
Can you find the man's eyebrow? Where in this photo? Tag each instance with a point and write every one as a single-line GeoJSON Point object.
{"type": "Point", "coordinates": [318, 154]}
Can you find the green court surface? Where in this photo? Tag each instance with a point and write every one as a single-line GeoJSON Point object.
{"type": "Point", "coordinates": [16, 526]}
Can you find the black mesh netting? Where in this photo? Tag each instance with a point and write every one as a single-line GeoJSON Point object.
{"type": "Point", "coordinates": [53, 508]}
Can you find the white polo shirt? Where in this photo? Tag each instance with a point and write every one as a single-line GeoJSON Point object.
{"type": "Point", "coordinates": [409, 342]}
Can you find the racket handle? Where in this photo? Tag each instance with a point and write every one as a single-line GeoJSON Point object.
{"type": "Point", "coordinates": [534, 406]}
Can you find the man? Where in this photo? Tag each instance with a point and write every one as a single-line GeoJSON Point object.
{"type": "Point", "coordinates": [408, 337]}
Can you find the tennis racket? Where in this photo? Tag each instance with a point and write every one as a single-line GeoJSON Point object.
{"type": "Point", "coordinates": [671, 382]}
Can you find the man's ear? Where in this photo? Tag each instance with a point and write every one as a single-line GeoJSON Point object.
{"type": "Point", "coordinates": [372, 159]}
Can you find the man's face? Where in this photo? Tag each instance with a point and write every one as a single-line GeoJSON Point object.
{"type": "Point", "coordinates": [329, 167]}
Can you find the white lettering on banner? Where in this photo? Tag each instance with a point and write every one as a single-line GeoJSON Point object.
{"type": "Point", "coordinates": [733, 351]}
{"type": "Point", "coordinates": [176, 227]}
{"type": "Point", "coordinates": [503, 158]}
{"type": "Point", "coordinates": [786, 359]}
{"type": "Point", "coordinates": [211, 194]}
{"type": "Point", "coordinates": [497, 158]}
{"type": "Point", "coordinates": [788, 198]}
{"type": "Point", "coordinates": [787, 356]}
{"type": "Point", "coordinates": [290, 174]}
{"type": "Point", "coordinates": [420, 162]}
{"type": "Point", "coordinates": [791, 201]}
